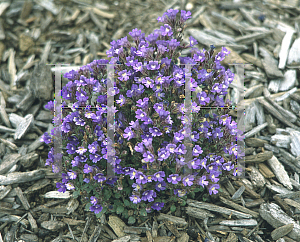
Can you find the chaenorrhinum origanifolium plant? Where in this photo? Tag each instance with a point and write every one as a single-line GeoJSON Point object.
{"type": "Point", "coordinates": [150, 119]}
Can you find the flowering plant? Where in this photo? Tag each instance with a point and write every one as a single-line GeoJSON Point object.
{"type": "Point", "coordinates": [150, 123]}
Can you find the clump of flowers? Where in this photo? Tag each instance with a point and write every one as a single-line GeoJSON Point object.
{"type": "Point", "coordinates": [149, 91]}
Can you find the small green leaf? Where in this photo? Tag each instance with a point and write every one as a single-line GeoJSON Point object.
{"type": "Point", "coordinates": [125, 213]}
{"type": "Point", "coordinates": [126, 203]}
{"type": "Point", "coordinates": [127, 190]}
{"type": "Point", "coordinates": [120, 209]}
{"type": "Point", "coordinates": [87, 206]}
{"type": "Point", "coordinates": [143, 212]}
{"type": "Point", "coordinates": [76, 194]}
{"type": "Point", "coordinates": [173, 208]}
{"type": "Point", "coordinates": [131, 220]}
{"type": "Point", "coordinates": [98, 215]}
{"type": "Point", "coordinates": [183, 203]}
{"type": "Point", "coordinates": [118, 195]}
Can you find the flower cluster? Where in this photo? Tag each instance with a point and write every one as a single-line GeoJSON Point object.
{"type": "Point", "coordinates": [149, 90]}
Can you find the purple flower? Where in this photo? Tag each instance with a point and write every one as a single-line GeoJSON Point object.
{"type": "Point", "coordinates": [173, 44]}
{"type": "Point", "coordinates": [65, 178]}
{"type": "Point", "coordinates": [194, 164]}
{"type": "Point", "coordinates": [171, 148]}
{"type": "Point", "coordinates": [149, 195]}
{"type": "Point", "coordinates": [155, 131]}
{"type": "Point", "coordinates": [153, 65]}
{"type": "Point", "coordinates": [177, 138]}
{"type": "Point", "coordinates": [202, 181]}
{"type": "Point", "coordinates": [50, 106]}
{"type": "Point", "coordinates": [87, 169]}
{"type": "Point", "coordinates": [218, 161]}
{"type": "Point", "coordinates": [143, 103]}
{"type": "Point", "coordinates": [124, 75]}
{"type": "Point", "coordinates": [158, 206]}
{"type": "Point", "coordinates": [96, 208]}
{"type": "Point", "coordinates": [213, 188]}
{"type": "Point", "coordinates": [163, 154]}
{"type": "Point", "coordinates": [213, 176]}
{"type": "Point", "coordinates": [95, 158]}
{"type": "Point", "coordinates": [180, 192]}
{"type": "Point", "coordinates": [81, 150]}
{"type": "Point", "coordinates": [121, 101]}
{"type": "Point", "coordinates": [166, 30]}
{"type": "Point", "coordinates": [81, 96]}
{"type": "Point", "coordinates": [61, 187]}
{"type": "Point", "coordinates": [192, 41]}
{"type": "Point", "coordinates": [46, 138]}
{"type": "Point", "coordinates": [71, 149]}
{"type": "Point", "coordinates": [160, 186]}
{"type": "Point", "coordinates": [148, 82]}
{"type": "Point", "coordinates": [93, 147]}
{"type": "Point", "coordinates": [132, 173]}
{"type": "Point", "coordinates": [72, 175]}
{"type": "Point", "coordinates": [228, 166]}
{"type": "Point", "coordinates": [185, 15]}
{"type": "Point", "coordinates": [140, 178]}
{"type": "Point", "coordinates": [135, 199]}
{"type": "Point", "coordinates": [174, 178]}
{"type": "Point", "coordinates": [202, 98]}
{"type": "Point", "coordinates": [149, 178]}
{"type": "Point", "coordinates": [138, 67]}
{"type": "Point", "coordinates": [137, 187]}
{"type": "Point", "coordinates": [197, 150]}
{"type": "Point", "coordinates": [181, 148]}
{"type": "Point", "coordinates": [148, 157]}
{"type": "Point", "coordinates": [79, 121]}
{"type": "Point", "coordinates": [80, 158]}
{"type": "Point", "coordinates": [70, 186]}
{"type": "Point", "coordinates": [128, 133]}
{"type": "Point", "coordinates": [81, 82]}
{"type": "Point", "coordinates": [94, 200]}
{"type": "Point", "coordinates": [73, 140]}
{"type": "Point", "coordinates": [86, 180]}
{"type": "Point", "coordinates": [203, 163]}
{"type": "Point", "coordinates": [187, 181]}
{"type": "Point", "coordinates": [66, 127]}
{"type": "Point", "coordinates": [158, 176]}
{"type": "Point", "coordinates": [135, 34]}
{"type": "Point", "coordinates": [237, 170]}
{"type": "Point", "coordinates": [99, 177]}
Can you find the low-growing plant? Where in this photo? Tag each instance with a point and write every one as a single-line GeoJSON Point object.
{"type": "Point", "coordinates": [150, 126]}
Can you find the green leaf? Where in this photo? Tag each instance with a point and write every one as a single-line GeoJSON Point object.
{"type": "Point", "coordinates": [118, 195]}
{"type": "Point", "coordinates": [81, 178]}
{"type": "Point", "coordinates": [183, 203]}
{"type": "Point", "coordinates": [98, 215]}
{"type": "Point", "coordinates": [120, 209]}
{"type": "Point", "coordinates": [131, 220]}
{"type": "Point", "coordinates": [125, 213]}
{"type": "Point", "coordinates": [126, 203]}
{"type": "Point", "coordinates": [76, 194]}
{"type": "Point", "coordinates": [173, 208]}
{"type": "Point", "coordinates": [143, 212]}
{"type": "Point", "coordinates": [192, 194]}
{"type": "Point", "coordinates": [127, 190]}
{"type": "Point", "coordinates": [118, 203]}
{"type": "Point", "coordinates": [106, 194]}
{"type": "Point", "coordinates": [87, 206]}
